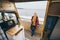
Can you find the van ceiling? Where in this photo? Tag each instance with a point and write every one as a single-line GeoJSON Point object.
{"type": "Point", "coordinates": [22, 0]}
{"type": "Point", "coordinates": [27, 0]}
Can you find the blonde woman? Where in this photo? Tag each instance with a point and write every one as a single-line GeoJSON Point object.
{"type": "Point", "coordinates": [34, 23]}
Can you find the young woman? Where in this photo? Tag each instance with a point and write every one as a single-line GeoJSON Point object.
{"type": "Point", "coordinates": [34, 23]}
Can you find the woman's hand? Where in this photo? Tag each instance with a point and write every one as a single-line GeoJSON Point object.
{"type": "Point", "coordinates": [37, 25]}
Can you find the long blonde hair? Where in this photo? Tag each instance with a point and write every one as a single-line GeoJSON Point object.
{"type": "Point", "coordinates": [35, 14]}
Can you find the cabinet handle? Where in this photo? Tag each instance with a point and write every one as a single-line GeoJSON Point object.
{"type": "Point", "coordinates": [18, 31]}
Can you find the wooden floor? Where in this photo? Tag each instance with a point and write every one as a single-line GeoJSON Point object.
{"type": "Point", "coordinates": [28, 36]}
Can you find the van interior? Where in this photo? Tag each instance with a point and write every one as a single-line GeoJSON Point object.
{"type": "Point", "coordinates": [15, 19]}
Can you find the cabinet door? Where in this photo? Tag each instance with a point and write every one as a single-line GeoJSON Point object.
{"type": "Point", "coordinates": [20, 36]}
{"type": "Point", "coordinates": [50, 22]}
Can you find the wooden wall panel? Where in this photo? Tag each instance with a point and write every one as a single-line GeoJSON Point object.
{"type": "Point", "coordinates": [7, 6]}
{"type": "Point", "coordinates": [54, 8]}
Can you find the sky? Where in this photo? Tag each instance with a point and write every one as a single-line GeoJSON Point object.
{"type": "Point", "coordinates": [32, 5]}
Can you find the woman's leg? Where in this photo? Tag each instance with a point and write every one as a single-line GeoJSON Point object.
{"type": "Point", "coordinates": [33, 30]}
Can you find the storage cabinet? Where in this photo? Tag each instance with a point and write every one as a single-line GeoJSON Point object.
{"type": "Point", "coordinates": [19, 35]}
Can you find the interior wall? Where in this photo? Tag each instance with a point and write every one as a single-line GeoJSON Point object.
{"type": "Point", "coordinates": [54, 8]}
{"type": "Point", "coordinates": [7, 6]}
